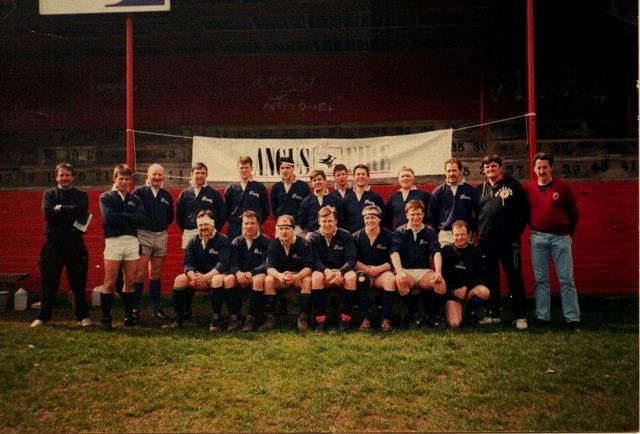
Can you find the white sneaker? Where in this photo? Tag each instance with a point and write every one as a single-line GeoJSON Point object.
{"type": "Point", "coordinates": [37, 323]}
{"type": "Point", "coordinates": [489, 320]}
{"type": "Point", "coordinates": [521, 324]}
{"type": "Point", "coordinates": [86, 322]}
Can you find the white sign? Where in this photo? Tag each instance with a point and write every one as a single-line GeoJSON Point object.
{"type": "Point", "coordinates": [60, 7]}
{"type": "Point", "coordinates": [425, 153]}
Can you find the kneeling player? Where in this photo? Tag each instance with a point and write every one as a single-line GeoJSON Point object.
{"type": "Point", "coordinates": [334, 255]}
{"type": "Point", "coordinates": [373, 244]}
{"type": "Point", "coordinates": [463, 268]}
{"type": "Point", "coordinates": [413, 245]}
{"type": "Point", "coordinates": [248, 270]}
{"type": "Point", "coordinates": [289, 264]}
{"type": "Point", "coordinates": [206, 260]}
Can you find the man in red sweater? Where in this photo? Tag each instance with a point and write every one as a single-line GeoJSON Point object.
{"type": "Point", "coordinates": [553, 221]}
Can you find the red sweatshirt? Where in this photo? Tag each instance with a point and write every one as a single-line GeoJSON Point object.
{"type": "Point", "coordinates": [553, 211]}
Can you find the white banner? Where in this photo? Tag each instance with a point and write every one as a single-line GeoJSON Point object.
{"type": "Point", "coordinates": [60, 7]}
{"type": "Point", "coordinates": [425, 153]}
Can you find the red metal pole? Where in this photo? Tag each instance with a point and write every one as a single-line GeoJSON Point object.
{"type": "Point", "coordinates": [131, 161]}
{"type": "Point", "coordinates": [481, 104]}
{"type": "Point", "coordinates": [531, 89]}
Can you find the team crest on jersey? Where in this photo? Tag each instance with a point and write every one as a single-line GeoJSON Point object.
{"type": "Point", "coordinates": [460, 266]}
{"type": "Point", "coordinates": [131, 203]}
{"type": "Point", "coordinates": [295, 256]}
{"type": "Point", "coordinates": [257, 252]}
{"type": "Point", "coordinates": [556, 196]}
{"type": "Point", "coordinates": [253, 193]}
{"type": "Point", "coordinates": [368, 202]}
{"type": "Point", "coordinates": [213, 251]}
{"type": "Point", "coordinates": [381, 247]}
{"type": "Point", "coordinates": [465, 197]}
{"type": "Point", "coordinates": [337, 247]}
{"type": "Point", "coordinates": [423, 242]}
{"type": "Point", "coordinates": [163, 200]}
{"type": "Point", "coordinates": [295, 196]}
{"type": "Point", "coordinates": [206, 199]}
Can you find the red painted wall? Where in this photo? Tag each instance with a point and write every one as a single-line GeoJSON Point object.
{"type": "Point", "coordinates": [605, 245]}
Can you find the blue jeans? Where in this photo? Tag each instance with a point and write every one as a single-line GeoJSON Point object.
{"type": "Point", "coordinates": [559, 247]}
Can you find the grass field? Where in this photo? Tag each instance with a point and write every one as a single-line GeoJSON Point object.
{"type": "Point", "coordinates": [61, 378]}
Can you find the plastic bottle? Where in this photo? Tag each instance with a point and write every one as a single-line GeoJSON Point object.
{"type": "Point", "coordinates": [20, 299]}
{"type": "Point", "coordinates": [95, 296]}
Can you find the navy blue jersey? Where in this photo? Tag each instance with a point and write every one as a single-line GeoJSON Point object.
{"type": "Point", "coordinates": [308, 214]}
{"type": "Point", "coordinates": [252, 259]}
{"type": "Point", "coordinates": [215, 254]}
{"type": "Point", "coordinates": [396, 215]}
{"type": "Point", "coordinates": [339, 195]}
{"type": "Point", "coordinates": [339, 253]}
{"type": "Point", "coordinates": [121, 217]}
{"type": "Point", "coordinates": [352, 208]}
{"type": "Point", "coordinates": [73, 206]}
{"type": "Point", "coordinates": [376, 253]}
{"type": "Point", "coordinates": [415, 252]}
{"type": "Point", "coordinates": [445, 207]}
{"type": "Point", "coordinates": [158, 209]}
{"type": "Point", "coordinates": [300, 255]}
{"type": "Point", "coordinates": [463, 267]}
{"type": "Point", "coordinates": [253, 198]}
{"type": "Point", "coordinates": [283, 202]}
{"type": "Point", "coordinates": [189, 205]}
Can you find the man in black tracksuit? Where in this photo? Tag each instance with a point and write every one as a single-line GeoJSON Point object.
{"type": "Point", "coordinates": [503, 212]}
{"type": "Point", "coordinates": [64, 247]}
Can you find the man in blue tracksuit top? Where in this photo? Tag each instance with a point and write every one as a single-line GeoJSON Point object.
{"type": "Point", "coordinates": [122, 213]}
{"type": "Point", "coordinates": [355, 200]}
{"type": "Point", "coordinates": [64, 247]}
{"type": "Point", "coordinates": [288, 194]}
{"type": "Point", "coordinates": [206, 262]}
{"type": "Point", "coordinates": [245, 195]}
{"type": "Point", "coordinates": [248, 270]}
{"type": "Point", "coordinates": [334, 255]}
{"type": "Point", "coordinates": [395, 213]}
{"type": "Point", "coordinates": [153, 238]}
{"type": "Point", "coordinates": [199, 196]}
{"type": "Point", "coordinates": [413, 246]}
{"type": "Point", "coordinates": [308, 214]}
{"type": "Point", "coordinates": [451, 201]}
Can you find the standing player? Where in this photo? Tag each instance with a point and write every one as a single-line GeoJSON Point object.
{"type": "Point", "coordinates": [64, 247]}
{"type": "Point", "coordinates": [248, 270]}
{"type": "Point", "coordinates": [373, 269]}
{"type": "Point", "coordinates": [198, 197]}
{"type": "Point", "coordinates": [451, 201]}
{"type": "Point", "coordinates": [413, 246]}
{"type": "Point", "coordinates": [289, 265]}
{"type": "Point", "coordinates": [395, 213]}
{"type": "Point", "coordinates": [554, 218]}
{"type": "Point", "coordinates": [308, 214]}
{"type": "Point", "coordinates": [463, 268]}
{"type": "Point", "coordinates": [206, 260]}
{"type": "Point", "coordinates": [287, 195]}
{"type": "Point", "coordinates": [502, 216]}
{"type": "Point", "coordinates": [355, 200]}
{"type": "Point", "coordinates": [153, 237]}
{"type": "Point", "coordinates": [122, 212]}
{"type": "Point", "coordinates": [341, 177]}
{"type": "Point", "coordinates": [245, 195]}
{"type": "Point", "coordinates": [334, 255]}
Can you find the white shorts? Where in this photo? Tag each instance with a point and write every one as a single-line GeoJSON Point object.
{"type": "Point", "coordinates": [122, 248]}
{"type": "Point", "coordinates": [153, 243]}
{"type": "Point", "coordinates": [417, 273]}
{"type": "Point", "coordinates": [187, 235]}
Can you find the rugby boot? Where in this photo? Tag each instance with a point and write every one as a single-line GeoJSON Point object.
{"type": "Point", "coordinates": [234, 324]}
{"type": "Point", "coordinates": [269, 323]}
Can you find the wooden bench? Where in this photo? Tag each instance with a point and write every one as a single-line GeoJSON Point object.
{"type": "Point", "coordinates": [9, 282]}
